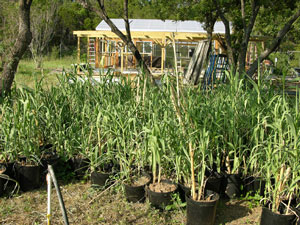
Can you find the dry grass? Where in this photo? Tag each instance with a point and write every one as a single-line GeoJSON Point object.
{"type": "Point", "coordinates": [85, 206]}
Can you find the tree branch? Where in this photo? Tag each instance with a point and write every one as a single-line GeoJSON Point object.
{"type": "Point", "coordinates": [126, 39]}
{"type": "Point", "coordinates": [126, 20]}
{"type": "Point", "coordinates": [248, 29]}
{"type": "Point", "coordinates": [227, 34]}
{"type": "Point", "coordinates": [243, 13]}
{"type": "Point", "coordinates": [275, 43]}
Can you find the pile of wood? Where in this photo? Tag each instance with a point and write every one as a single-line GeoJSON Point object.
{"type": "Point", "coordinates": [197, 63]}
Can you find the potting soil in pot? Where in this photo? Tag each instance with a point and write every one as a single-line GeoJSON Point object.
{"type": "Point", "coordinates": [140, 181]}
{"type": "Point", "coordinates": [160, 194]}
{"type": "Point", "coordinates": [162, 187]}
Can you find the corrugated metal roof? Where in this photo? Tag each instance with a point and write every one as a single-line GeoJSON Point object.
{"type": "Point", "coordinates": [160, 25]}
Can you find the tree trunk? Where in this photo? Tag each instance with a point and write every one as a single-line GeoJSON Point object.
{"type": "Point", "coordinates": [274, 45]}
{"type": "Point", "coordinates": [231, 53]}
{"type": "Point", "coordinates": [246, 36]}
{"type": "Point", "coordinates": [20, 46]}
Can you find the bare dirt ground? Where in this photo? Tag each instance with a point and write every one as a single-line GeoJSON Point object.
{"type": "Point", "coordinates": [86, 205]}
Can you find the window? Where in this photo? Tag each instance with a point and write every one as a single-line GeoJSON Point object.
{"type": "Point", "coordinates": [144, 47]}
{"type": "Point", "coordinates": [110, 46]}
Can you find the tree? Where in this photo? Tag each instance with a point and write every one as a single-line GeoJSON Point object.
{"type": "Point", "coordinates": [239, 17]}
{"type": "Point", "coordinates": [200, 10]}
{"type": "Point", "coordinates": [8, 28]}
{"type": "Point", "coordinates": [23, 40]}
{"type": "Point", "coordinates": [126, 38]}
{"type": "Point", "coordinates": [44, 19]}
{"type": "Point", "coordinates": [243, 15]}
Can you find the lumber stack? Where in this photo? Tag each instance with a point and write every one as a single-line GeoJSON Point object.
{"type": "Point", "coordinates": [197, 63]}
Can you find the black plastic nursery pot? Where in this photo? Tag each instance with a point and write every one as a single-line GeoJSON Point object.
{"type": "Point", "coordinates": [10, 172]}
{"type": "Point", "coordinates": [202, 212]}
{"type": "Point", "coordinates": [10, 169]}
{"type": "Point", "coordinates": [2, 180]}
{"type": "Point", "coordinates": [253, 185]}
{"type": "Point", "coordinates": [183, 190]}
{"type": "Point", "coordinates": [214, 184]}
{"type": "Point", "coordinates": [100, 179]}
{"type": "Point", "coordinates": [28, 176]}
{"type": "Point", "coordinates": [161, 199]}
{"type": "Point", "coordinates": [80, 166]}
{"type": "Point", "coordinates": [270, 218]}
{"type": "Point", "coordinates": [136, 193]}
{"type": "Point", "coordinates": [49, 158]}
{"type": "Point", "coordinates": [234, 184]}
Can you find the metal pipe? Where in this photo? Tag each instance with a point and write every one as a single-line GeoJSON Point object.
{"type": "Point", "coordinates": [61, 201]}
{"type": "Point", "coordinates": [48, 178]}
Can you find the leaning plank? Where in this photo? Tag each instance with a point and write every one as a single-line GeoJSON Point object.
{"type": "Point", "coordinates": [200, 63]}
{"type": "Point", "coordinates": [192, 63]}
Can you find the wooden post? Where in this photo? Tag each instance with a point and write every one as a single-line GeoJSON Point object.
{"type": "Point", "coordinates": [97, 53]}
{"type": "Point", "coordinates": [217, 46]}
{"type": "Point", "coordinates": [78, 54]}
{"type": "Point", "coordinates": [122, 59]}
{"type": "Point", "coordinates": [105, 53]}
{"type": "Point", "coordinates": [88, 50]}
{"type": "Point", "coordinates": [255, 50]}
{"type": "Point", "coordinates": [126, 58]}
{"type": "Point", "coordinates": [133, 58]}
{"type": "Point", "coordinates": [163, 53]}
{"type": "Point", "coordinates": [151, 56]}
{"type": "Point", "coordinates": [175, 54]}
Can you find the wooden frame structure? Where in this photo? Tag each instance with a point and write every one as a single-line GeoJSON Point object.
{"type": "Point", "coordinates": [106, 50]}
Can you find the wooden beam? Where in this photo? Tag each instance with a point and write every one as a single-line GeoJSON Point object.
{"type": "Point", "coordinates": [144, 35]}
{"type": "Point", "coordinates": [78, 54]}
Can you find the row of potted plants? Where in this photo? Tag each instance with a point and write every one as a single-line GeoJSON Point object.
{"type": "Point", "coordinates": [186, 134]}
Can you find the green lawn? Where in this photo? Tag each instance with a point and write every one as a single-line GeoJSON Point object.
{"type": "Point", "coordinates": [27, 72]}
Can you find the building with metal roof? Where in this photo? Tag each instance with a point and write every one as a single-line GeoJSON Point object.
{"type": "Point", "coordinates": [158, 41]}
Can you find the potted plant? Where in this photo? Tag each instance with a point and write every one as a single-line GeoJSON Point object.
{"type": "Point", "coordinates": [201, 203]}
{"type": "Point", "coordinates": [28, 144]}
{"type": "Point", "coordinates": [281, 166]}
{"type": "Point", "coordinates": [135, 179]}
{"type": "Point", "coordinates": [103, 163]}
{"type": "Point", "coordinates": [132, 158]}
{"type": "Point", "coordinates": [160, 191]}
